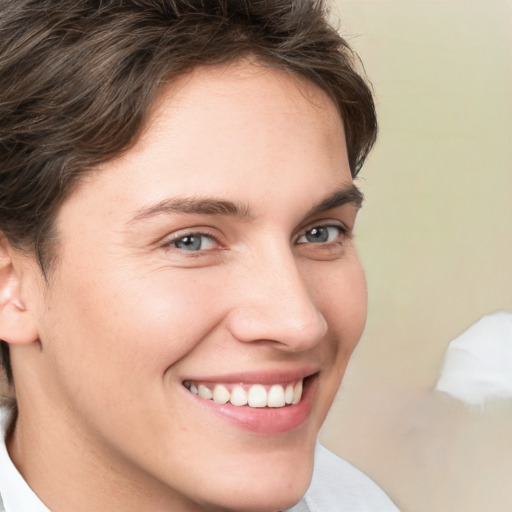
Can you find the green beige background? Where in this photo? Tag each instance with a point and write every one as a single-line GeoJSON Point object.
{"type": "Point", "coordinates": [435, 236]}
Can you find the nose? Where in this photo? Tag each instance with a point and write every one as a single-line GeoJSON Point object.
{"type": "Point", "coordinates": [273, 303]}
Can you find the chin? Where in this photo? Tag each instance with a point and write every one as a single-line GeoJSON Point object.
{"type": "Point", "coordinates": [258, 497]}
{"type": "Point", "coordinates": [273, 484]}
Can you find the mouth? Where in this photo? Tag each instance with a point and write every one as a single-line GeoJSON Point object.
{"type": "Point", "coordinates": [251, 395]}
{"type": "Point", "coordinates": [268, 405]}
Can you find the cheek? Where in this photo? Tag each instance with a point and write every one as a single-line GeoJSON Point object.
{"type": "Point", "coordinates": [120, 331]}
{"type": "Point", "coordinates": [342, 298]}
{"type": "Point", "coordinates": [354, 302]}
{"type": "Point", "coordinates": [341, 295]}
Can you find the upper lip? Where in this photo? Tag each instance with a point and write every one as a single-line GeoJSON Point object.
{"type": "Point", "coordinates": [259, 377]}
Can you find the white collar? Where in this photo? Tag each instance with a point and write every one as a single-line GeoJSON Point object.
{"type": "Point", "coordinates": [15, 493]}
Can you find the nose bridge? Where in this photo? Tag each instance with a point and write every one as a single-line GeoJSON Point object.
{"type": "Point", "coordinates": [275, 303]}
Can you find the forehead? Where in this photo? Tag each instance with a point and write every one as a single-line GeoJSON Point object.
{"type": "Point", "coordinates": [241, 85]}
{"type": "Point", "coordinates": [240, 132]}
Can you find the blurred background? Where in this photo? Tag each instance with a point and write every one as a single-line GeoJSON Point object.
{"type": "Point", "coordinates": [435, 236]}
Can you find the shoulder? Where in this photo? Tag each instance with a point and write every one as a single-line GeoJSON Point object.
{"type": "Point", "coordinates": [339, 486]}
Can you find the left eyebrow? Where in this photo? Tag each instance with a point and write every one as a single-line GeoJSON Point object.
{"type": "Point", "coordinates": [346, 195]}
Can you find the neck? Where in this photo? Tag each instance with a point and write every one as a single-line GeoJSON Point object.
{"type": "Point", "coordinates": [70, 471]}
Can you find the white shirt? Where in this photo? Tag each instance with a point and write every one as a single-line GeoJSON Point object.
{"type": "Point", "coordinates": [478, 364]}
{"type": "Point", "coordinates": [336, 486]}
{"type": "Point", "coordinates": [15, 494]}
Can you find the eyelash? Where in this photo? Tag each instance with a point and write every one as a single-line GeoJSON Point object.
{"type": "Point", "coordinates": [201, 236]}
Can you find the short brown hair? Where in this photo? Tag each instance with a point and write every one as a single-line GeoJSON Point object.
{"type": "Point", "coordinates": [77, 80]}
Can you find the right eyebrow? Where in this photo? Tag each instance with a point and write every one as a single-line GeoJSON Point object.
{"type": "Point", "coordinates": [198, 206]}
{"type": "Point", "coordinates": [346, 195]}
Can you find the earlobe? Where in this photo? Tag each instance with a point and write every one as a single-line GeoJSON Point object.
{"type": "Point", "coordinates": [17, 325]}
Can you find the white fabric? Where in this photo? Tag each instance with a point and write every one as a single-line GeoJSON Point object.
{"type": "Point", "coordinates": [336, 486]}
{"type": "Point", "coordinates": [478, 363]}
{"type": "Point", "coordinates": [15, 494]}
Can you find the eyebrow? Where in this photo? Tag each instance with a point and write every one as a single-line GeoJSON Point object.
{"type": "Point", "coordinates": [194, 205]}
{"type": "Point", "coordinates": [346, 195]}
{"type": "Point", "coordinates": [213, 206]}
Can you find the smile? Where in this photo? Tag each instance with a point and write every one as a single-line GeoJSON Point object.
{"type": "Point", "coordinates": [254, 395]}
{"type": "Point", "coordinates": [264, 403]}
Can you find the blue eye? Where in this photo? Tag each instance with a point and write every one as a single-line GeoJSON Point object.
{"type": "Point", "coordinates": [194, 242]}
{"type": "Point", "coordinates": [321, 235]}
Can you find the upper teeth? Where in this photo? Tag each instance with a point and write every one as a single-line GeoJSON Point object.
{"type": "Point", "coordinates": [256, 395]}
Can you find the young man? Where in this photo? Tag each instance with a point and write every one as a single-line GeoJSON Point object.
{"type": "Point", "coordinates": [179, 288]}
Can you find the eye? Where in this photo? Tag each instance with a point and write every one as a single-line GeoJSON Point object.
{"type": "Point", "coordinates": [193, 242]}
{"type": "Point", "coordinates": [322, 235]}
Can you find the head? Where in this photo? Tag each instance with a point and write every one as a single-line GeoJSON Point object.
{"type": "Point", "coordinates": [154, 158]}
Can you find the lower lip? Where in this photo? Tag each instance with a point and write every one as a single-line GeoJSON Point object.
{"type": "Point", "coordinates": [265, 420]}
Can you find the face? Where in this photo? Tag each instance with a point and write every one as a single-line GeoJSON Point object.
{"type": "Point", "coordinates": [216, 258]}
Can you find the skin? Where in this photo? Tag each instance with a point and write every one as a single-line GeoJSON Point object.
{"type": "Point", "coordinates": [105, 422]}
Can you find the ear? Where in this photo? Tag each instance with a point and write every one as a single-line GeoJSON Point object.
{"type": "Point", "coordinates": [17, 324]}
